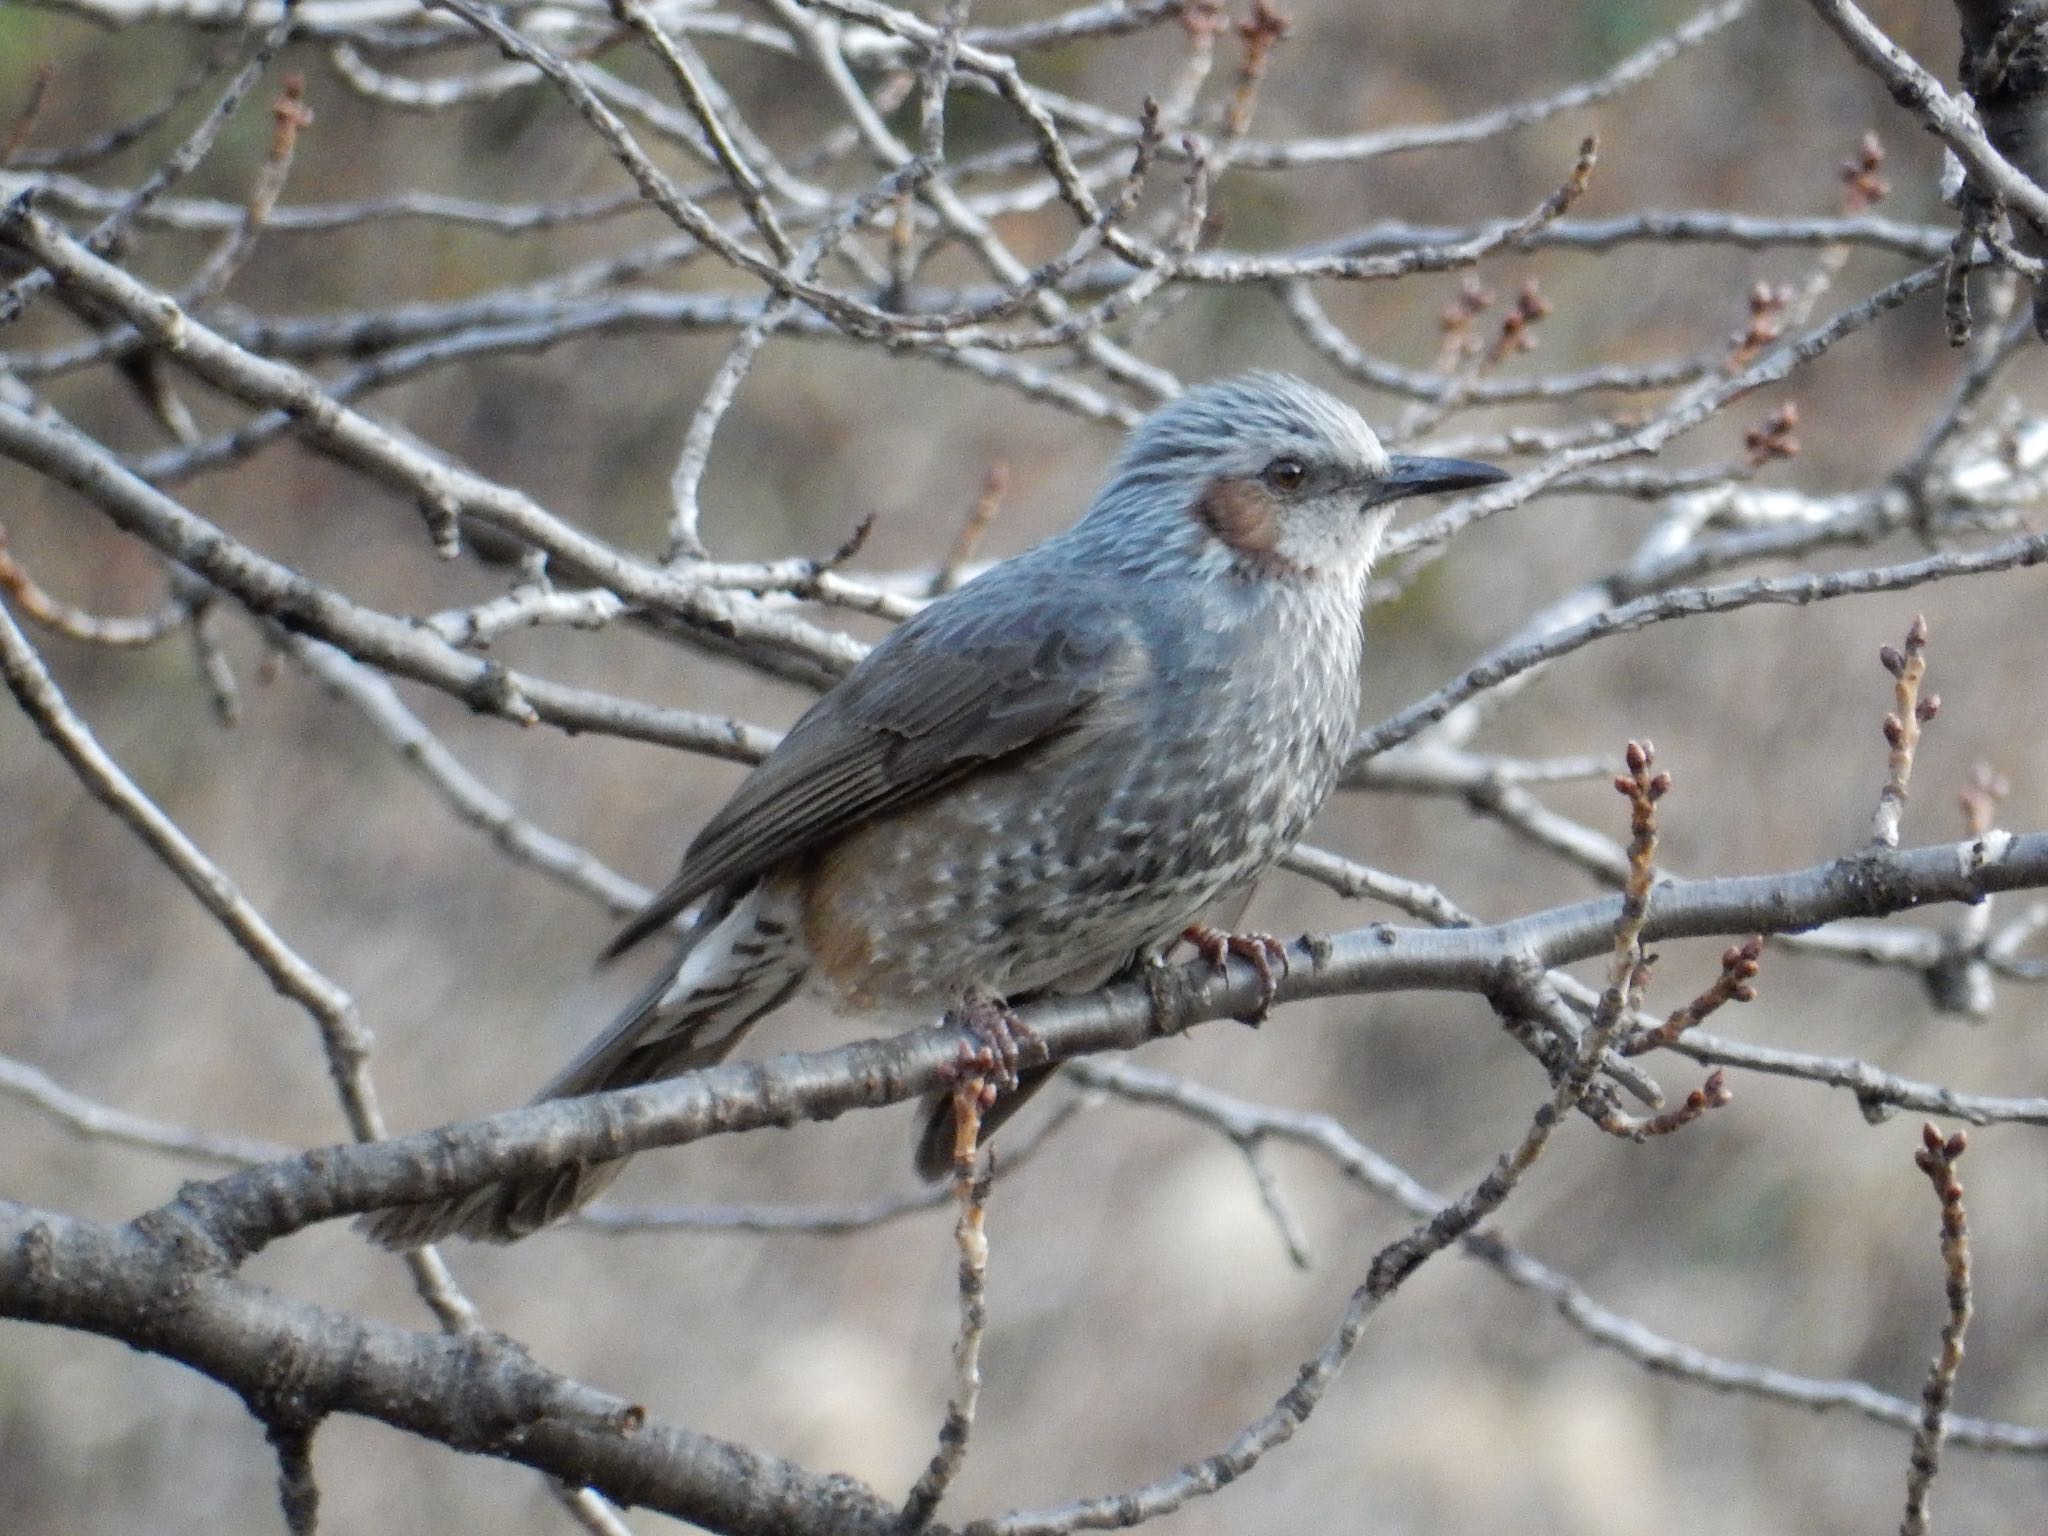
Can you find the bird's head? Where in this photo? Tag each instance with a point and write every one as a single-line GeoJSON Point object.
{"type": "Point", "coordinates": [1262, 475]}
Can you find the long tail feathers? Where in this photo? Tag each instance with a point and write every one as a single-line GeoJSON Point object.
{"type": "Point", "coordinates": [739, 965]}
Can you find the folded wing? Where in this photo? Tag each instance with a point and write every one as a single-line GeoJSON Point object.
{"type": "Point", "coordinates": [946, 695]}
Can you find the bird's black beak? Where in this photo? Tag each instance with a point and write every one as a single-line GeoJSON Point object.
{"type": "Point", "coordinates": [1408, 476]}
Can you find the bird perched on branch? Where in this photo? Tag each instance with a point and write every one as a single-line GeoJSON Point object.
{"type": "Point", "coordinates": [1043, 777]}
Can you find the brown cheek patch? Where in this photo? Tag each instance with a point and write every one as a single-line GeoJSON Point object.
{"type": "Point", "coordinates": [1241, 514]}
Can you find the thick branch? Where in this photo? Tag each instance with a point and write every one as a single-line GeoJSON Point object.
{"type": "Point", "coordinates": [477, 1392]}
{"type": "Point", "coordinates": [242, 1212]}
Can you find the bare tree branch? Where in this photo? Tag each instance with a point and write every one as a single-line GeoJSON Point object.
{"type": "Point", "coordinates": [560, 310]}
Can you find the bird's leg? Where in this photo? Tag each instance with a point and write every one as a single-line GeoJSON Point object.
{"type": "Point", "coordinates": [997, 1041]}
{"type": "Point", "coordinates": [1262, 951]}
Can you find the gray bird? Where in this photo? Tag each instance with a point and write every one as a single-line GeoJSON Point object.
{"type": "Point", "coordinates": [1043, 777]}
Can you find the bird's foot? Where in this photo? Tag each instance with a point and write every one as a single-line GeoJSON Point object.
{"type": "Point", "coordinates": [1266, 955]}
{"type": "Point", "coordinates": [997, 1043]}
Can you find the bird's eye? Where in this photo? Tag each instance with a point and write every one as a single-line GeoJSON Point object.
{"type": "Point", "coordinates": [1284, 474]}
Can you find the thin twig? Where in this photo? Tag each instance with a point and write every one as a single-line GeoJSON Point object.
{"type": "Point", "coordinates": [1911, 710]}
{"type": "Point", "coordinates": [1235, 1117]}
{"type": "Point", "coordinates": [971, 1188]}
{"type": "Point", "coordinates": [1686, 602]}
{"type": "Point", "coordinates": [117, 633]}
{"type": "Point", "coordinates": [953, 569]}
{"type": "Point", "coordinates": [1937, 1159]}
{"type": "Point", "coordinates": [298, 1495]}
{"type": "Point", "coordinates": [834, 1220]}
{"type": "Point", "coordinates": [102, 1122]}
{"type": "Point", "coordinates": [173, 168]}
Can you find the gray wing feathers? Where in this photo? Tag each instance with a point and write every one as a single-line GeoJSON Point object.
{"type": "Point", "coordinates": [943, 696]}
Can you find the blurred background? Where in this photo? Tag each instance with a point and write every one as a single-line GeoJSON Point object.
{"type": "Point", "coordinates": [1143, 1305]}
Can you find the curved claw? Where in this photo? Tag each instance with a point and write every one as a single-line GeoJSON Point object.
{"type": "Point", "coordinates": [1264, 953]}
{"type": "Point", "coordinates": [997, 1043]}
